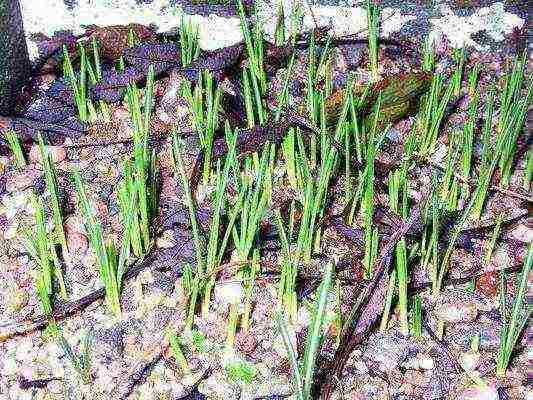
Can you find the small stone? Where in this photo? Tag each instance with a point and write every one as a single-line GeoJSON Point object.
{"type": "Point", "coordinates": [246, 342]}
{"type": "Point", "coordinates": [19, 299]}
{"type": "Point", "coordinates": [57, 153]}
{"type": "Point", "coordinates": [470, 360]}
{"type": "Point", "coordinates": [457, 312]}
{"type": "Point", "coordinates": [166, 240]}
{"type": "Point", "coordinates": [229, 293]}
{"type": "Point", "coordinates": [426, 362]}
{"type": "Point", "coordinates": [19, 182]}
{"type": "Point", "coordinates": [480, 393]}
{"type": "Point", "coordinates": [77, 242]}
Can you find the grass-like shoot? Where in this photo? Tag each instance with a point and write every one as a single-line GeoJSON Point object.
{"type": "Point", "coordinates": [303, 379]}
{"type": "Point", "coordinates": [105, 254]}
{"type": "Point", "coordinates": [14, 145]}
{"type": "Point", "coordinates": [513, 323]}
{"type": "Point", "coordinates": [373, 18]}
{"type": "Point", "coordinates": [81, 363]}
{"type": "Point", "coordinates": [189, 36]}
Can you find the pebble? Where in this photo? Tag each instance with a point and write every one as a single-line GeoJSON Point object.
{"type": "Point", "coordinates": [470, 360]}
{"type": "Point", "coordinates": [480, 393]}
{"type": "Point", "coordinates": [388, 351]}
{"type": "Point", "coordinates": [19, 299]}
{"type": "Point", "coordinates": [246, 342]}
{"type": "Point", "coordinates": [229, 293]}
{"type": "Point", "coordinates": [57, 153]}
{"type": "Point", "coordinates": [77, 242]}
{"type": "Point", "coordinates": [166, 240]}
{"type": "Point", "coordinates": [19, 182]}
{"type": "Point", "coordinates": [457, 312]}
{"type": "Point", "coordinates": [426, 362]}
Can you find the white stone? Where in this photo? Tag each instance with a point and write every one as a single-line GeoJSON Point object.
{"type": "Point", "coordinates": [494, 20]}
{"type": "Point", "coordinates": [229, 292]}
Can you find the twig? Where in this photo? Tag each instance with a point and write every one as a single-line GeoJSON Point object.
{"type": "Point", "coordinates": [350, 338]}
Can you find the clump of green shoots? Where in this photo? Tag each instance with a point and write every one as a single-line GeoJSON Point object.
{"type": "Point", "coordinates": [468, 138]}
{"type": "Point", "coordinates": [105, 254]}
{"type": "Point", "coordinates": [254, 45]}
{"type": "Point", "coordinates": [208, 256]}
{"type": "Point", "coordinates": [144, 172]}
{"type": "Point", "coordinates": [399, 204]}
{"type": "Point", "coordinates": [514, 105]}
{"type": "Point", "coordinates": [373, 17]}
{"type": "Point", "coordinates": [433, 106]}
{"type": "Point", "coordinates": [486, 155]}
{"type": "Point", "coordinates": [205, 104]}
{"type": "Point", "coordinates": [513, 323]}
{"type": "Point", "coordinates": [189, 35]}
{"type": "Point", "coordinates": [14, 145]}
{"type": "Point", "coordinates": [254, 190]}
{"type": "Point", "coordinates": [312, 197]}
{"type": "Point", "coordinates": [303, 378]}
{"type": "Point", "coordinates": [513, 109]}
{"type": "Point", "coordinates": [176, 346]}
{"type": "Point", "coordinates": [367, 200]}
{"type": "Point", "coordinates": [39, 249]}
{"type": "Point", "coordinates": [78, 82]}
{"type": "Point", "coordinates": [51, 185]}
{"type": "Point", "coordinates": [81, 363]}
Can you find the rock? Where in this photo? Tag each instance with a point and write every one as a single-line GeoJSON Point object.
{"type": "Point", "coordinates": [217, 387]}
{"type": "Point", "coordinates": [387, 351]}
{"type": "Point", "coordinates": [229, 293]}
{"type": "Point", "coordinates": [19, 299]}
{"type": "Point", "coordinates": [108, 342]}
{"type": "Point", "coordinates": [57, 153]}
{"type": "Point", "coordinates": [77, 243]}
{"type": "Point", "coordinates": [19, 182]}
{"type": "Point", "coordinates": [426, 362]}
{"type": "Point", "coordinates": [246, 342]}
{"type": "Point", "coordinates": [457, 312]}
{"type": "Point", "coordinates": [470, 360]}
{"type": "Point", "coordinates": [166, 240]}
{"type": "Point", "coordinates": [479, 393]}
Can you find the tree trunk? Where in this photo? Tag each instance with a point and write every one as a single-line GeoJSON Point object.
{"type": "Point", "coordinates": [14, 60]}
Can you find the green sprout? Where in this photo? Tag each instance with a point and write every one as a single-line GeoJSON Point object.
{"type": "Point", "coordinates": [514, 323]}
{"type": "Point", "coordinates": [14, 145]}
{"type": "Point", "coordinates": [303, 380]}
{"type": "Point", "coordinates": [105, 254]}
{"type": "Point", "coordinates": [176, 346]}
{"type": "Point", "coordinates": [81, 363]}
{"type": "Point", "coordinates": [205, 104]}
{"type": "Point", "coordinates": [373, 17]}
{"type": "Point", "coordinates": [189, 36]}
